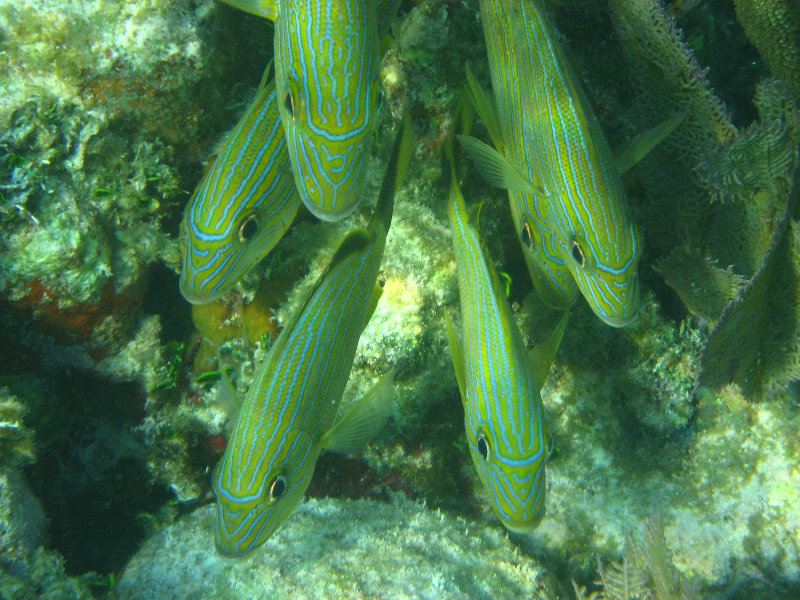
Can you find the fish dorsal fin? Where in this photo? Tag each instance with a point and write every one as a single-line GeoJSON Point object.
{"type": "Point", "coordinates": [496, 169]}
{"type": "Point", "coordinates": [265, 78]}
{"type": "Point", "coordinates": [464, 115]}
{"type": "Point", "coordinates": [354, 242]}
{"type": "Point", "coordinates": [396, 167]}
{"type": "Point", "coordinates": [463, 120]}
{"type": "Point", "coordinates": [641, 144]}
{"type": "Point", "coordinates": [363, 420]}
{"type": "Point", "coordinates": [457, 352]}
{"type": "Point", "coordinates": [498, 285]}
{"type": "Point", "coordinates": [372, 303]}
{"type": "Point", "coordinates": [484, 106]}
{"type": "Point", "coordinates": [541, 356]}
{"type": "Point", "coordinates": [387, 41]}
{"type": "Point", "coordinates": [267, 9]}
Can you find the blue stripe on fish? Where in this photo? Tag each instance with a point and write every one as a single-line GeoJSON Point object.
{"type": "Point", "coordinates": [243, 205]}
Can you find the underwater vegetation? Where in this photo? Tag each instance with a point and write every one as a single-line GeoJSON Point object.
{"type": "Point", "coordinates": [645, 572]}
{"type": "Point", "coordinates": [773, 27]}
{"type": "Point", "coordinates": [110, 415]}
{"type": "Point", "coordinates": [738, 203]}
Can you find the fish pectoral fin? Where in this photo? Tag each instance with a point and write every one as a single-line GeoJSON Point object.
{"type": "Point", "coordinates": [541, 356]}
{"type": "Point", "coordinates": [363, 420]}
{"type": "Point", "coordinates": [226, 397]}
{"type": "Point", "coordinates": [485, 108]}
{"type": "Point", "coordinates": [496, 169]}
{"type": "Point", "coordinates": [641, 144]}
{"type": "Point", "coordinates": [267, 9]}
{"type": "Point", "coordinates": [457, 352]}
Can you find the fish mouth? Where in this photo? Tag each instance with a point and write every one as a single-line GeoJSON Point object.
{"type": "Point", "coordinates": [516, 526]}
{"type": "Point", "coordinates": [329, 215]}
{"type": "Point", "coordinates": [232, 556]}
{"type": "Point", "coordinates": [617, 321]}
{"type": "Point", "coordinates": [628, 311]}
{"type": "Point", "coordinates": [195, 298]}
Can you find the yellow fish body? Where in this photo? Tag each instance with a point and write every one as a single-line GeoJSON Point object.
{"type": "Point", "coordinates": [243, 205]}
{"type": "Point", "coordinates": [566, 195]}
{"type": "Point", "coordinates": [287, 418]}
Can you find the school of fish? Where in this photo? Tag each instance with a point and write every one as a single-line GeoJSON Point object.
{"type": "Point", "coordinates": [306, 140]}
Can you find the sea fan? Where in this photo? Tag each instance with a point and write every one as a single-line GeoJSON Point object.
{"type": "Point", "coordinates": [645, 573]}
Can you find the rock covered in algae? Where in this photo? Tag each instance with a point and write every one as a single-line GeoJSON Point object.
{"type": "Point", "coordinates": [27, 569]}
{"type": "Point", "coordinates": [100, 126]}
{"type": "Point", "coordinates": [721, 471]}
{"type": "Point", "coordinates": [334, 550]}
{"type": "Point", "coordinates": [22, 522]}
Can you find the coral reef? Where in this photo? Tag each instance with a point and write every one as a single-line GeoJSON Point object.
{"type": "Point", "coordinates": [736, 206]}
{"type": "Point", "coordinates": [22, 521]}
{"type": "Point", "coordinates": [106, 119]}
{"type": "Point", "coordinates": [750, 181]}
{"type": "Point", "coordinates": [99, 117]}
{"type": "Point", "coordinates": [756, 342]}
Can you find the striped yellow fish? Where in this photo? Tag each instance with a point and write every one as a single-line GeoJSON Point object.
{"type": "Point", "coordinates": [287, 416]}
{"type": "Point", "coordinates": [566, 196]}
{"type": "Point", "coordinates": [499, 382]}
{"type": "Point", "coordinates": [327, 59]}
{"type": "Point", "coordinates": [243, 205]}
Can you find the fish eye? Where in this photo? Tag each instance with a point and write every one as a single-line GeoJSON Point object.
{"type": "Point", "coordinates": [483, 447]}
{"type": "Point", "coordinates": [288, 103]}
{"type": "Point", "coordinates": [277, 488]}
{"type": "Point", "coordinates": [525, 236]}
{"type": "Point", "coordinates": [577, 254]}
{"type": "Point", "coordinates": [249, 229]}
